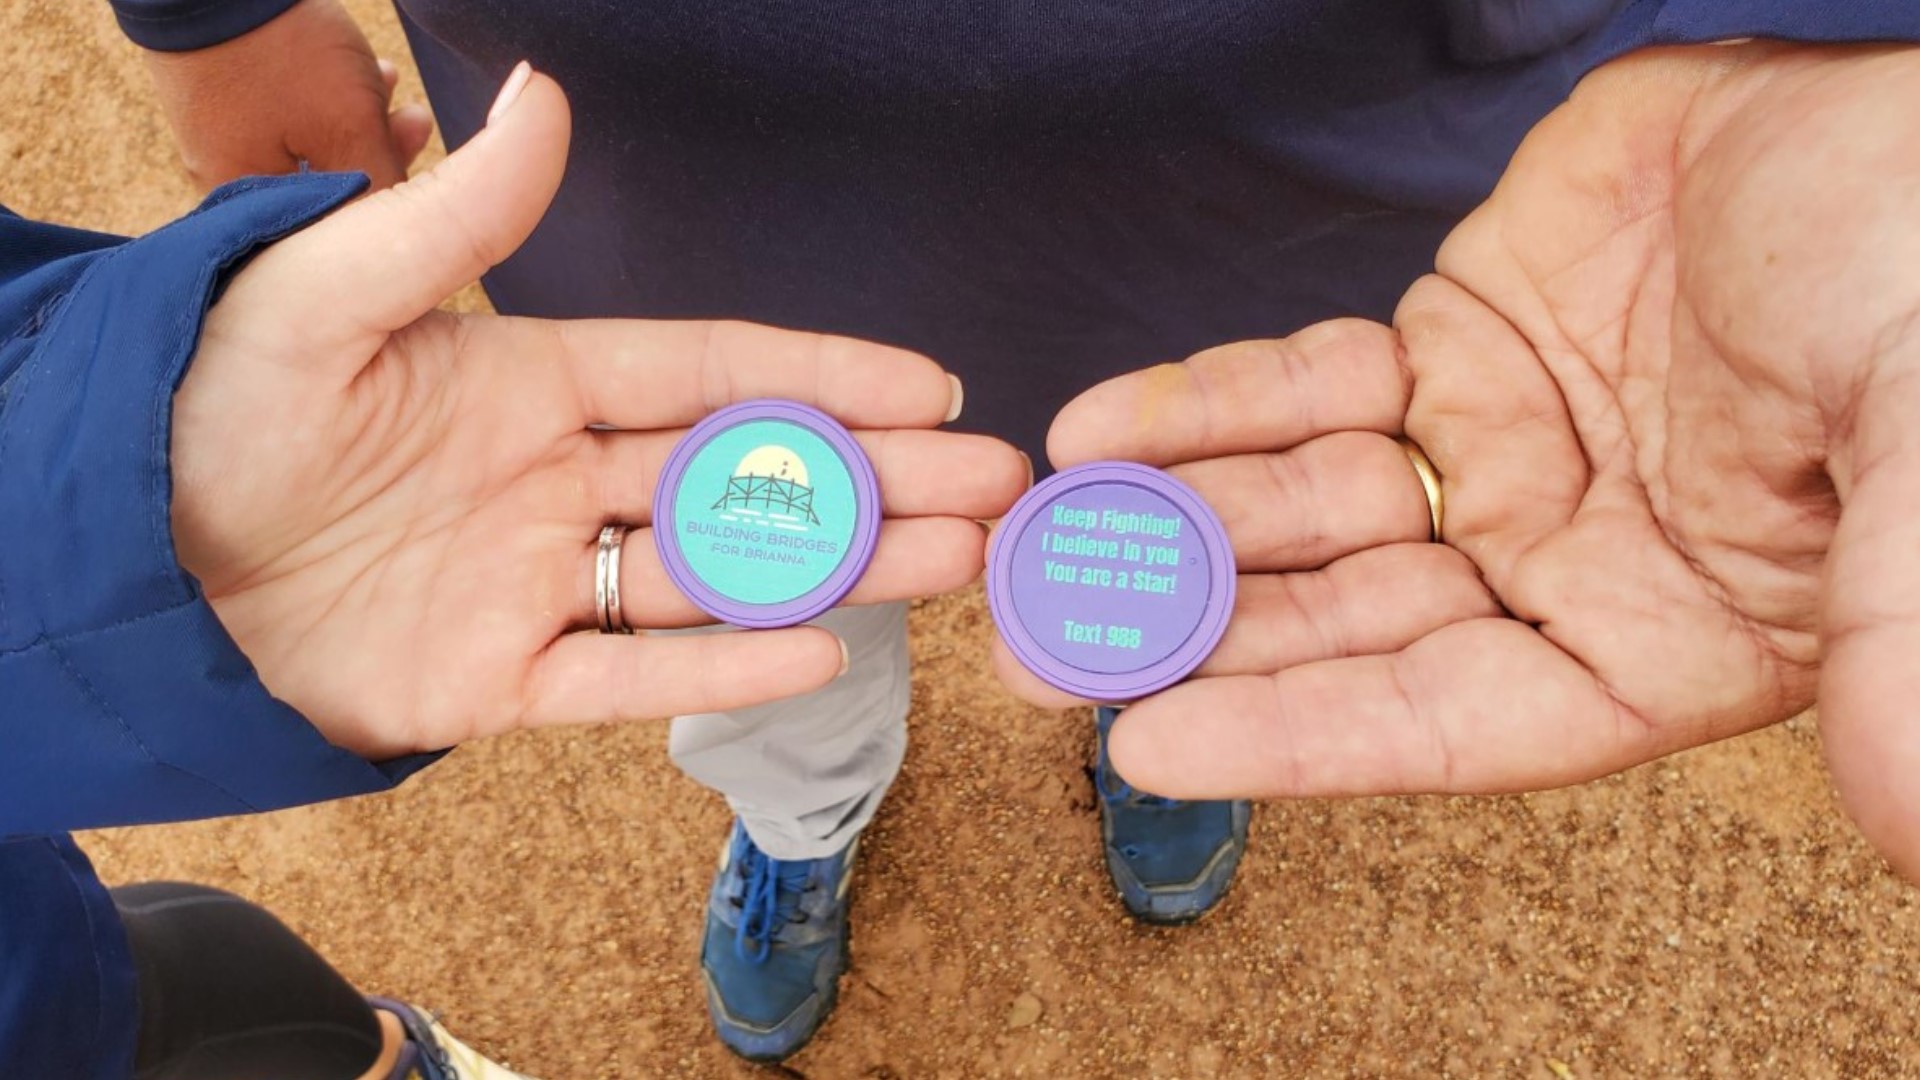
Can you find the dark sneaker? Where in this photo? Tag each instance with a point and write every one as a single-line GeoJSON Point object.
{"type": "Point", "coordinates": [1171, 860]}
{"type": "Point", "coordinates": [432, 1054]}
{"type": "Point", "coordinates": [775, 946]}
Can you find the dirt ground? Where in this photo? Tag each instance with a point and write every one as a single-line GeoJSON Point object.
{"type": "Point", "coordinates": [1712, 915]}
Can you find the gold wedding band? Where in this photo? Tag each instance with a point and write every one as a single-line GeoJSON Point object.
{"type": "Point", "coordinates": [1429, 482]}
{"type": "Point", "coordinates": [606, 581]}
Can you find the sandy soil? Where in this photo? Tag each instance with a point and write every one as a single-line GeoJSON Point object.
{"type": "Point", "coordinates": [1708, 916]}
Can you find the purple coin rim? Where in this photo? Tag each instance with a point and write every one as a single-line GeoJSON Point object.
{"type": "Point", "coordinates": [1123, 686]}
{"type": "Point", "coordinates": [822, 597]}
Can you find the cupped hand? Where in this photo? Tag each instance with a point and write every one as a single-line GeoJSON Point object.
{"type": "Point", "coordinates": [1670, 374]}
{"type": "Point", "coordinates": [303, 87]}
{"type": "Point", "coordinates": [394, 509]}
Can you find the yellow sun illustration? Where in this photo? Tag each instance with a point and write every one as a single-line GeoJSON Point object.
{"type": "Point", "coordinates": [775, 461]}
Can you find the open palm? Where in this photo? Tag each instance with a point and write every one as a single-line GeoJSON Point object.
{"type": "Point", "coordinates": [394, 510]}
{"type": "Point", "coordinates": [1667, 374]}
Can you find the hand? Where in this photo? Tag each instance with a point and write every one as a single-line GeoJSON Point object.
{"type": "Point", "coordinates": [303, 87]}
{"type": "Point", "coordinates": [394, 510]}
{"type": "Point", "coordinates": [1670, 373]}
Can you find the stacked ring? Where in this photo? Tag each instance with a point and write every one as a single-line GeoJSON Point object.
{"type": "Point", "coordinates": [606, 581]}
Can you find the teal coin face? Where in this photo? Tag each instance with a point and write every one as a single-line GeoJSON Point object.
{"type": "Point", "coordinates": [765, 512]}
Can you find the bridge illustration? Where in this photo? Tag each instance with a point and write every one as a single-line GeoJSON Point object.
{"type": "Point", "coordinates": [770, 494]}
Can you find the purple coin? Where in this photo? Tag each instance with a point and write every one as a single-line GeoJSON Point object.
{"type": "Point", "coordinates": [767, 514]}
{"type": "Point", "coordinates": [1111, 581]}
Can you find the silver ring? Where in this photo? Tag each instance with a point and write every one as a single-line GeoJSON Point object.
{"type": "Point", "coordinates": [606, 581]}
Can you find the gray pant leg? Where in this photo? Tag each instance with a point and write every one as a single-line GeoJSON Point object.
{"type": "Point", "coordinates": [807, 773]}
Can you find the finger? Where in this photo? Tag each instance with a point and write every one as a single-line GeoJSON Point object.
{"type": "Point", "coordinates": [362, 141]}
{"type": "Point", "coordinates": [921, 473]}
{"type": "Point", "coordinates": [1477, 707]}
{"type": "Point", "coordinates": [363, 144]}
{"type": "Point", "coordinates": [1024, 684]}
{"type": "Point", "coordinates": [1871, 633]}
{"type": "Point", "coordinates": [644, 375]}
{"type": "Point", "coordinates": [410, 128]}
{"type": "Point", "coordinates": [1373, 602]}
{"type": "Point", "coordinates": [589, 678]}
{"type": "Point", "coordinates": [1236, 399]}
{"type": "Point", "coordinates": [1494, 424]}
{"type": "Point", "coordinates": [333, 292]}
{"type": "Point", "coordinates": [915, 557]}
{"type": "Point", "coordinates": [1369, 603]}
{"type": "Point", "coordinates": [1310, 505]}
{"type": "Point", "coordinates": [925, 473]}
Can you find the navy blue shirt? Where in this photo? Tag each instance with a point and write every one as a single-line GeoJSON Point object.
{"type": "Point", "coordinates": [1041, 195]}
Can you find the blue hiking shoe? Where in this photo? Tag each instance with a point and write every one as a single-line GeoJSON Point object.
{"type": "Point", "coordinates": [775, 947]}
{"type": "Point", "coordinates": [1172, 861]}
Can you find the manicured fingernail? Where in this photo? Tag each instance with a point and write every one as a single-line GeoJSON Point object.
{"type": "Point", "coordinates": [510, 90]}
{"type": "Point", "coordinates": [959, 399]}
{"type": "Point", "coordinates": [846, 659]}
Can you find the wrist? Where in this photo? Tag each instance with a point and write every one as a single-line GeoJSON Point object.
{"type": "Point", "coordinates": [172, 26]}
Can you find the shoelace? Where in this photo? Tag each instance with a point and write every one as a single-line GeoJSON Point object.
{"type": "Point", "coordinates": [771, 900]}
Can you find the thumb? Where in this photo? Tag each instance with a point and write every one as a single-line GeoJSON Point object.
{"type": "Point", "coordinates": [1870, 634]}
{"type": "Point", "coordinates": [335, 291]}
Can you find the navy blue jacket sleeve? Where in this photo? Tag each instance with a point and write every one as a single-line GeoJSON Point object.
{"type": "Point", "coordinates": [122, 699]}
{"type": "Point", "coordinates": [69, 1006]}
{"type": "Point", "coordinates": [184, 25]}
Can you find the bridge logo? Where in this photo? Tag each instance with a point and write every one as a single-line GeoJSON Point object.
{"type": "Point", "coordinates": [769, 487]}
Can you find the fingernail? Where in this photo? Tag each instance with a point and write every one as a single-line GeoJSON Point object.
{"type": "Point", "coordinates": [846, 659]}
{"type": "Point", "coordinates": [959, 398]}
{"type": "Point", "coordinates": [388, 70]}
{"type": "Point", "coordinates": [1028, 458]}
{"type": "Point", "coordinates": [510, 90]}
